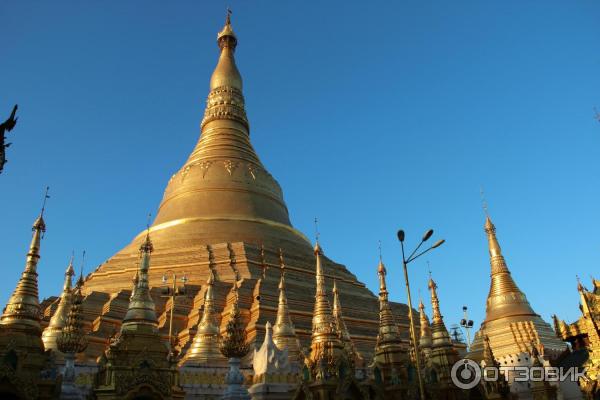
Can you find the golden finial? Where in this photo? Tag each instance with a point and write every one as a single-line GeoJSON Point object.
{"type": "Point", "coordinates": [484, 203]}
{"type": "Point", "coordinates": [227, 38]}
{"type": "Point", "coordinates": [228, 17]}
{"type": "Point", "coordinates": [147, 246]}
{"type": "Point", "coordinates": [317, 234]}
{"type": "Point", "coordinates": [379, 247]}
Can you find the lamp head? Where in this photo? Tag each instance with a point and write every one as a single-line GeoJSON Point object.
{"type": "Point", "coordinates": [401, 236]}
{"type": "Point", "coordinates": [438, 244]}
{"type": "Point", "coordinates": [164, 279]}
{"type": "Point", "coordinates": [427, 235]}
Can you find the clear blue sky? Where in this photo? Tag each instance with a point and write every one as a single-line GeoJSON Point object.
{"type": "Point", "coordinates": [372, 117]}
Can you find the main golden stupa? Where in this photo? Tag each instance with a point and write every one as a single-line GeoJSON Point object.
{"type": "Point", "coordinates": [223, 213]}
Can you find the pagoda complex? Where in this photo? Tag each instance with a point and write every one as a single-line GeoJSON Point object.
{"type": "Point", "coordinates": [223, 225]}
{"type": "Point", "coordinates": [223, 215]}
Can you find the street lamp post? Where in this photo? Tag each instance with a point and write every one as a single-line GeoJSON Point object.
{"type": "Point", "coordinates": [467, 324]}
{"type": "Point", "coordinates": [405, 262]}
{"type": "Point", "coordinates": [172, 292]}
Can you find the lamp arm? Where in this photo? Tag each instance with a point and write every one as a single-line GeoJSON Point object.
{"type": "Point", "coordinates": [413, 253]}
{"type": "Point", "coordinates": [411, 258]}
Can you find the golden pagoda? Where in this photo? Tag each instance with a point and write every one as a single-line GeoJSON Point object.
{"type": "Point", "coordinates": [391, 362]}
{"type": "Point", "coordinates": [59, 319]}
{"type": "Point", "coordinates": [584, 337]}
{"type": "Point", "coordinates": [224, 212]}
{"type": "Point", "coordinates": [25, 368]}
{"type": "Point", "coordinates": [510, 322]}
{"type": "Point", "coordinates": [442, 356]}
{"type": "Point", "coordinates": [329, 369]}
{"type": "Point", "coordinates": [284, 332]}
{"type": "Point", "coordinates": [137, 362]}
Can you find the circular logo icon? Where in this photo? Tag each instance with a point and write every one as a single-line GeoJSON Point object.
{"type": "Point", "coordinates": [466, 374]}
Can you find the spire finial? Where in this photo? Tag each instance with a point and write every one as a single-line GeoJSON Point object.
{"type": "Point", "coordinates": [379, 247]}
{"type": "Point", "coordinates": [228, 17]}
{"type": "Point", "coordinates": [317, 234]}
{"type": "Point", "coordinates": [46, 197]}
{"type": "Point", "coordinates": [80, 280]}
{"type": "Point", "coordinates": [484, 203]}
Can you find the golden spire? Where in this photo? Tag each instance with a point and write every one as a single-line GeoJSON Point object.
{"type": "Point", "coordinates": [23, 307]}
{"type": "Point", "coordinates": [224, 159]}
{"type": "Point", "coordinates": [338, 317]}
{"type": "Point", "coordinates": [326, 348]}
{"type": "Point", "coordinates": [439, 333]}
{"type": "Point", "coordinates": [504, 298]}
{"type": "Point", "coordinates": [583, 298]}
{"type": "Point", "coordinates": [141, 314]}
{"type": "Point", "coordinates": [59, 319]}
{"type": "Point", "coordinates": [205, 347]}
{"type": "Point", "coordinates": [226, 73]}
{"type": "Point", "coordinates": [234, 343]}
{"type": "Point", "coordinates": [72, 338]}
{"type": "Point", "coordinates": [425, 338]}
{"type": "Point", "coordinates": [284, 333]}
{"type": "Point", "coordinates": [388, 329]}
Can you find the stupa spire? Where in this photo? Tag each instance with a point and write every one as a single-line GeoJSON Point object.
{"type": "Point", "coordinates": [326, 347]}
{"type": "Point", "coordinates": [223, 179]}
{"type": "Point", "coordinates": [59, 319]}
{"type": "Point", "coordinates": [205, 347]}
{"type": "Point", "coordinates": [388, 329]}
{"type": "Point", "coordinates": [339, 318]}
{"type": "Point", "coordinates": [141, 313]}
{"type": "Point", "coordinates": [23, 307]}
{"type": "Point", "coordinates": [425, 337]}
{"type": "Point", "coordinates": [439, 333]}
{"type": "Point", "coordinates": [505, 298]}
{"type": "Point", "coordinates": [284, 333]}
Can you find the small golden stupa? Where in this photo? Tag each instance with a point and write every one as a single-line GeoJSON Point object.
{"type": "Point", "coordinates": [510, 323]}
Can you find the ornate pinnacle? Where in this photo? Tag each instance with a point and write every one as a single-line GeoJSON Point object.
{"type": "Point", "coordinates": [435, 302]}
{"type": "Point", "coordinates": [439, 332]}
{"type": "Point", "coordinates": [141, 311]}
{"type": "Point", "coordinates": [59, 319]}
{"type": "Point", "coordinates": [205, 347]}
{"type": "Point", "coordinates": [425, 340]}
{"type": "Point", "coordinates": [327, 350]}
{"type": "Point", "coordinates": [72, 338]}
{"type": "Point", "coordinates": [337, 315]}
{"type": "Point", "coordinates": [284, 333]}
{"type": "Point", "coordinates": [234, 341]}
{"type": "Point", "coordinates": [23, 307]}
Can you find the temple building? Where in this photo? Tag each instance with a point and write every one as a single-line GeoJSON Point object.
{"type": "Point", "coordinates": [584, 337]}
